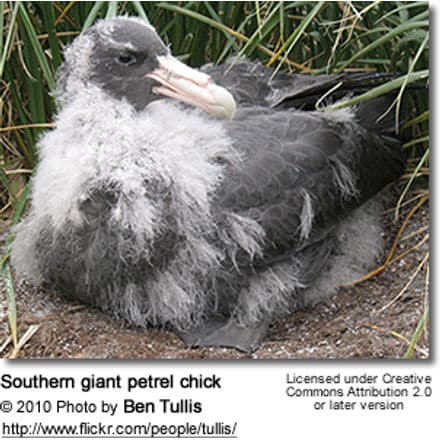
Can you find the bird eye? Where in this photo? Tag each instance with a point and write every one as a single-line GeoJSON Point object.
{"type": "Point", "coordinates": [126, 58]}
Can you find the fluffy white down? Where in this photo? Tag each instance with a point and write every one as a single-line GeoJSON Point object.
{"type": "Point", "coordinates": [356, 244]}
{"type": "Point", "coordinates": [99, 142]}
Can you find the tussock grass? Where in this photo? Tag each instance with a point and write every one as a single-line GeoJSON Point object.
{"type": "Point", "coordinates": [308, 37]}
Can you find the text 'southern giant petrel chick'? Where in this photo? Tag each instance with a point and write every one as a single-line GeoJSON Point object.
{"type": "Point", "coordinates": [178, 213]}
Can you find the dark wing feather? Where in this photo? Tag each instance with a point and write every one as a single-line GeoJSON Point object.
{"type": "Point", "coordinates": [251, 83]}
{"type": "Point", "coordinates": [300, 168]}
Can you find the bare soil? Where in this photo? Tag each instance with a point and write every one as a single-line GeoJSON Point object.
{"type": "Point", "coordinates": [361, 321]}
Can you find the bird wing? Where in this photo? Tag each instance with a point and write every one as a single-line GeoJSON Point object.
{"type": "Point", "coordinates": [301, 173]}
{"type": "Point", "coordinates": [251, 83]}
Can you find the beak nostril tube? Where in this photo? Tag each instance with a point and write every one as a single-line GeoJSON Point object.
{"type": "Point", "coordinates": [188, 85]}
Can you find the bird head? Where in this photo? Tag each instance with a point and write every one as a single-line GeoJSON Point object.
{"type": "Point", "coordinates": [127, 59]}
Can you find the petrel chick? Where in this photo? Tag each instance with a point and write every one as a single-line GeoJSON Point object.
{"type": "Point", "coordinates": [166, 200]}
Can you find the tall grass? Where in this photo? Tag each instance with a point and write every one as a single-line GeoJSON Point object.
{"type": "Point", "coordinates": [301, 36]}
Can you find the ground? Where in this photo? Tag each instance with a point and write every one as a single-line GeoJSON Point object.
{"type": "Point", "coordinates": [361, 321]}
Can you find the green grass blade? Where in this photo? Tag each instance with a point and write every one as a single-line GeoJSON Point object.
{"type": "Point", "coordinates": [93, 14]}
{"type": "Point", "coordinates": [18, 213]}
{"type": "Point", "coordinates": [295, 36]}
{"type": "Point", "coordinates": [140, 11]}
{"type": "Point", "coordinates": [383, 89]}
{"type": "Point", "coordinates": [22, 118]}
{"type": "Point", "coordinates": [2, 25]}
{"type": "Point", "coordinates": [195, 15]}
{"type": "Point", "coordinates": [416, 141]}
{"type": "Point", "coordinates": [112, 10]}
{"type": "Point", "coordinates": [3, 177]}
{"type": "Point", "coordinates": [10, 296]}
{"type": "Point", "coordinates": [258, 15]}
{"type": "Point", "coordinates": [395, 11]}
{"type": "Point", "coordinates": [416, 336]}
{"type": "Point", "coordinates": [408, 75]}
{"type": "Point", "coordinates": [359, 40]}
{"type": "Point", "coordinates": [231, 40]}
{"type": "Point", "coordinates": [49, 24]}
{"type": "Point", "coordinates": [411, 179]}
{"type": "Point", "coordinates": [12, 24]}
{"type": "Point", "coordinates": [38, 50]}
{"type": "Point", "coordinates": [261, 32]}
{"type": "Point", "coordinates": [21, 204]}
{"type": "Point", "coordinates": [422, 16]}
{"type": "Point", "coordinates": [6, 271]}
{"type": "Point", "coordinates": [417, 120]}
{"type": "Point", "coordinates": [202, 18]}
{"type": "Point", "coordinates": [406, 27]}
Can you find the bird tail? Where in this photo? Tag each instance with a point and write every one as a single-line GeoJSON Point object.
{"type": "Point", "coordinates": [328, 89]}
{"type": "Point", "coordinates": [379, 114]}
{"type": "Point", "coordinates": [387, 114]}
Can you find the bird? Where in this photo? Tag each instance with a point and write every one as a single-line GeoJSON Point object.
{"type": "Point", "coordinates": [212, 201]}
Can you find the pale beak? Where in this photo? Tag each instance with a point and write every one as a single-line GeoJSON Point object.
{"type": "Point", "coordinates": [180, 82]}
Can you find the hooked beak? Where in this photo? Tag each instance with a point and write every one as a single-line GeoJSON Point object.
{"type": "Point", "coordinates": [180, 82]}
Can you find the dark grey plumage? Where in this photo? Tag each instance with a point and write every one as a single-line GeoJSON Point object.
{"type": "Point", "coordinates": [162, 215]}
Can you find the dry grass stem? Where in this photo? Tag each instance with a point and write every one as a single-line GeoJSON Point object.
{"type": "Point", "coordinates": [410, 281]}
